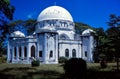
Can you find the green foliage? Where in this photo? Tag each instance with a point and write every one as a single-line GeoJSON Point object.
{"type": "Point", "coordinates": [114, 36]}
{"type": "Point", "coordinates": [6, 10]}
{"type": "Point", "coordinates": [75, 68]}
{"type": "Point", "coordinates": [28, 26]}
{"type": "Point", "coordinates": [6, 14]}
{"type": "Point", "coordinates": [35, 63]}
{"type": "Point", "coordinates": [80, 27]}
{"type": "Point", "coordinates": [2, 59]}
{"type": "Point", "coordinates": [54, 71]}
{"type": "Point", "coordinates": [62, 60]}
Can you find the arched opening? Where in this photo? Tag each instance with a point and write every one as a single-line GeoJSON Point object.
{"type": "Point", "coordinates": [64, 37]}
{"type": "Point", "coordinates": [15, 51]}
{"type": "Point", "coordinates": [25, 51]}
{"type": "Point", "coordinates": [33, 51]}
{"type": "Point", "coordinates": [85, 53]}
{"type": "Point", "coordinates": [51, 54]}
{"type": "Point", "coordinates": [10, 55]}
{"type": "Point", "coordinates": [20, 51]}
{"type": "Point", "coordinates": [40, 53]}
{"type": "Point", "coordinates": [73, 53]}
{"type": "Point", "coordinates": [66, 53]}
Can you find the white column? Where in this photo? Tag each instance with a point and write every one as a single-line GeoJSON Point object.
{"type": "Point", "coordinates": [22, 50]}
{"type": "Point", "coordinates": [8, 52]}
{"type": "Point", "coordinates": [28, 52]}
{"type": "Point", "coordinates": [45, 56]}
{"type": "Point", "coordinates": [13, 54]}
{"type": "Point", "coordinates": [56, 52]}
{"type": "Point", "coordinates": [37, 52]}
{"type": "Point", "coordinates": [79, 53]}
{"type": "Point", "coordinates": [90, 48]}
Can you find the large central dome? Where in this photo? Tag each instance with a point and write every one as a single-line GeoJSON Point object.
{"type": "Point", "coordinates": [55, 12]}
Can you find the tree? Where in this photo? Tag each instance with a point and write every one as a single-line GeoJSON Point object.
{"type": "Point", "coordinates": [80, 27]}
{"type": "Point", "coordinates": [114, 36]}
{"type": "Point", "coordinates": [27, 27]}
{"type": "Point", "coordinates": [6, 14]}
{"type": "Point", "coordinates": [101, 42]}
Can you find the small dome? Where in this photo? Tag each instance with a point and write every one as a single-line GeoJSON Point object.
{"type": "Point", "coordinates": [17, 34]}
{"type": "Point", "coordinates": [55, 12]}
{"type": "Point", "coordinates": [87, 32]}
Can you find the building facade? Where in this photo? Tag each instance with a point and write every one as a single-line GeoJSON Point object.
{"type": "Point", "coordinates": [54, 37]}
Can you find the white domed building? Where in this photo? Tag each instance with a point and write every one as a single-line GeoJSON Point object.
{"type": "Point", "coordinates": [54, 37]}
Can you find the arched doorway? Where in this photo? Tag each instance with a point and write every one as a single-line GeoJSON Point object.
{"type": "Point", "coordinates": [33, 51]}
{"type": "Point", "coordinates": [51, 54]}
{"type": "Point", "coordinates": [15, 51]}
{"type": "Point", "coordinates": [20, 51]}
{"type": "Point", "coordinates": [25, 51]}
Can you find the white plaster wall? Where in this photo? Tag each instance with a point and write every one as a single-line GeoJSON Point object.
{"type": "Point", "coordinates": [69, 45]}
{"type": "Point", "coordinates": [88, 45]}
{"type": "Point", "coordinates": [70, 34]}
{"type": "Point", "coordinates": [51, 42]}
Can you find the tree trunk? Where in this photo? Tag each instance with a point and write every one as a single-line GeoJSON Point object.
{"type": "Point", "coordinates": [117, 59]}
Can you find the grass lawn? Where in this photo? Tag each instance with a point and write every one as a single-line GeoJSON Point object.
{"type": "Point", "coordinates": [25, 71]}
{"type": "Point", "coordinates": [53, 71]}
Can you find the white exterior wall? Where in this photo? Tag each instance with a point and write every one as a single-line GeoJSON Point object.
{"type": "Point", "coordinates": [91, 45]}
{"type": "Point", "coordinates": [88, 46]}
{"type": "Point", "coordinates": [70, 45]}
{"type": "Point", "coordinates": [48, 42]}
{"type": "Point", "coordinates": [51, 46]}
{"type": "Point", "coordinates": [17, 43]}
{"type": "Point", "coordinates": [70, 34]}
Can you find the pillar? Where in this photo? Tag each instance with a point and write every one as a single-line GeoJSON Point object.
{"type": "Point", "coordinates": [22, 49]}
{"type": "Point", "coordinates": [56, 52]}
{"type": "Point", "coordinates": [13, 54]}
{"type": "Point", "coordinates": [45, 51]}
{"type": "Point", "coordinates": [28, 52]}
{"type": "Point", "coordinates": [8, 52]}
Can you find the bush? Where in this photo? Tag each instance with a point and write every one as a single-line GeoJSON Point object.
{"type": "Point", "coordinates": [2, 60]}
{"type": "Point", "coordinates": [35, 63]}
{"type": "Point", "coordinates": [62, 60]}
{"type": "Point", "coordinates": [75, 68]}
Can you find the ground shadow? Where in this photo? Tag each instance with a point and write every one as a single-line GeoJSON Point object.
{"type": "Point", "coordinates": [33, 73]}
{"type": "Point", "coordinates": [28, 73]}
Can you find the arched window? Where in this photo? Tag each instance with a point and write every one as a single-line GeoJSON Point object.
{"type": "Point", "coordinates": [15, 51]}
{"type": "Point", "coordinates": [64, 36]}
{"type": "Point", "coordinates": [25, 51]}
{"type": "Point", "coordinates": [85, 53]}
{"type": "Point", "coordinates": [73, 53]}
{"type": "Point", "coordinates": [20, 52]}
{"type": "Point", "coordinates": [10, 55]}
{"type": "Point", "coordinates": [51, 54]}
{"type": "Point", "coordinates": [40, 53]}
{"type": "Point", "coordinates": [33, 51]}
{"type": "Point", "coordinates": [66, 53]}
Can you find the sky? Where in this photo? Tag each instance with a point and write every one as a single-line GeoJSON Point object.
{"type": "Point", "coordinates": [92, 12]}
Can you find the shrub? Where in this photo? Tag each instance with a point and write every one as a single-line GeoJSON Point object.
{"type": "Point", "coordinates": [75, 68]}
{"type": "Point", "coordinates": [2, 59]}
{"type": "Point", "coordinates": [35, 63]}
{"type": "Point", "coordinates": [62, 60]}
